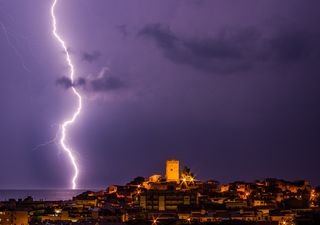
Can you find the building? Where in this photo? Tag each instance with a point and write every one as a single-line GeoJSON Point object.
{"type": "Point", "coordinates": [17, 217]}
{"type": "Point", "coordinates": [155, 178]}
{"type": "Point", "coordinates": [155, 200]}
{"type": "Point", "coordinates": [236, 204]}
{"type": "Point", "coordinates": [172, 171]}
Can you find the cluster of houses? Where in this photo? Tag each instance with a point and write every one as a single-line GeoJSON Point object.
{"type": "Point", "coordinates": [177, 197]}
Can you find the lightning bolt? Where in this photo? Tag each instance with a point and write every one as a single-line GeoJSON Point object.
{"type": "Point", "coordinates": [71, 120]}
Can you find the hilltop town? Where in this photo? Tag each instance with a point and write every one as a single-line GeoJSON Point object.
{"type": "Point", "coordinates": [176, 198]}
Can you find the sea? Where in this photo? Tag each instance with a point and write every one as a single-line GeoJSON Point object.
{"type": "Point", "coordinates": [40, 195]}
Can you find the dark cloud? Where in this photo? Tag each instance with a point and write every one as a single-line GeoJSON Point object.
{"type": "Point", "coordinates": [105, 82]}
{"type": "Point", "coordinates": [293, 46]}
{"type": "Point", "coordinates": [232, 50]}
{"type": "Point", "coordinates": [123, 29]}
{"type": "Point", "coordinates": [81, 81]}
{"type": "Point", "coordinates": [91, 57]}
{"type": "Point", "coordinates": [224, 54]}
{"type": "Point", "coordinates": [65, 82]}
{"type": "Point", "coordinates": [162, 35]}
{"type": "Point", "coordinates": [102, 82]}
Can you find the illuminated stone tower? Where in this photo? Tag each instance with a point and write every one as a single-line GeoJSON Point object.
{"type": "Point", "coordinates": [172, 170]}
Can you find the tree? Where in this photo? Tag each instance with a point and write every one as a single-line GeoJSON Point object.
{"type": "Point", "coordinates": [138, 181]}
{"type": "Point", "coordinates": [186, 172]}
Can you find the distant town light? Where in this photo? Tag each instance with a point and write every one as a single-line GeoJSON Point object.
{"type": "Point", "coordinates": [155, 221]}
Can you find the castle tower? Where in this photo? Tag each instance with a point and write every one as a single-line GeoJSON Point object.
{"type": "Point", "coordinates": [172, 170]}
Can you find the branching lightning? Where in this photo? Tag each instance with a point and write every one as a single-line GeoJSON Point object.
{"type": "Point", "coordinates": [53, 140]}
{"type": "Point", "coordinates": [16, 51]}
{"type": "Point", "coordinates": [67, 122]}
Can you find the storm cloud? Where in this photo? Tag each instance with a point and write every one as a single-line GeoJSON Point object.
{"type": "Point", "coordinates": [101, 82]}
{"type": "Point", "coordinates": [91, 57]}
{"type": "Point", "coordinates": [215, 84]}
{"type": "Point", "coordinates": [65, 82]}
{"type": "Point", "coordinates": [293, 46]}
{"type": "Point", "coordinates": [232, 50]}
{"type": "Point", "coordinates": [105, 81]}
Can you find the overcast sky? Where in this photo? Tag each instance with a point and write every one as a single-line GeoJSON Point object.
{"type": "Point", "coordinates": [230, 88]}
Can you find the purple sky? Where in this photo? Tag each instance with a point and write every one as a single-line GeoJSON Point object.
{"type": "Point", "coordinates": [231, 88]}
